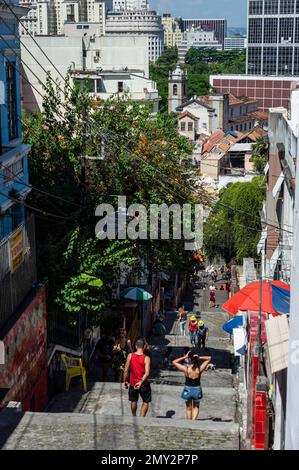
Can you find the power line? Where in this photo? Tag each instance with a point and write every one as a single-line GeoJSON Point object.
{"type": "Point", "coordinates": [219, 202]}
{"type": "Point", "coordinates": [32, 37]}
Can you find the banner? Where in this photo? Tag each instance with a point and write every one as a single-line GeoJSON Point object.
{"type": "Point", "coordinates": [16, 249]}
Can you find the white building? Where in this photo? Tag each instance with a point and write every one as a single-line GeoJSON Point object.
{"type": "Point", "coordinates": [143, 23]}
{"type": "Point", "coordinates": [130, 5]}
{"type": "Point", "coordinates": [48, 17]}
{"type": "Point", "coordinates": [292, 408]}
{"type": "Point", "coordinates": [172, 32]}
{"type": "Point", "coordinates": [278, 247]}
{"type": "Point", "coordinates": [108, 65]}
{"type": "Point", "coordinates": [36, 22]}
{"type": "Point", "coordinates": [235, 42]}
{"type": "Point", "coordinates": [197, 38]}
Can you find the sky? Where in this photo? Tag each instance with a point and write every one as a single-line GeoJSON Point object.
{"type": "Point", "coordinates": [234, 11]}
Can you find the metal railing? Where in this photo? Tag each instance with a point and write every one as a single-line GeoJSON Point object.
{"type": "Point", "coordinates": [14, 286]}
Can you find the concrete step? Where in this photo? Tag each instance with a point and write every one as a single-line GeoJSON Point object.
{"type": "Point", "coordinates": [111, 399]}
{"type": "Point", "coordinates": [72, 431]}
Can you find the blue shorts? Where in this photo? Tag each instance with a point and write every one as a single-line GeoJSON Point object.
{"type": "Point", "coordinates": [192, 393]}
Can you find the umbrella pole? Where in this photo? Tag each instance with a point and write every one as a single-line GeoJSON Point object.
{"type": "Point", "coordinates": [260, 347]}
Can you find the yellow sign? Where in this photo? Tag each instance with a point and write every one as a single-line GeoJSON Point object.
{"type": "Point", "coordinates": [16, 247]}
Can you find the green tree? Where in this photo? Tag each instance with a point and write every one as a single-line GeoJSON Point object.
{"type": "Point", "coordinates": [260, 154]}
{"type": "Point", "coordinates": [142, 156]}
{"type": "Point", "coordinates": [233, 227]}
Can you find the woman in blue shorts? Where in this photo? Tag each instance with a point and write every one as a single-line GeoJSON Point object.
{"type": "Point", "coordinates": [192, 392]}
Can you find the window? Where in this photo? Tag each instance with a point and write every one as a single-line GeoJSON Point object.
{"type": "Point", "coordinates": [269, 60]}
{"type": "Point", "coordinates": [271, 7]}
{"type": "Point", "coordinates": [254, 60]}
{"type": "Point", "coordinates": [286, 30]}
{"type": "Point", "coordinates": [175, 90]}
{"type": "Point", "coordinates": [183, 126]}
{"type": "Point", "coordinates": [9, 172]}
{"type": "Point", "coordinates": [287, 6]}
{"type": "Point", "coordinates": [270, 30]}
{"type": "Point", "coordinates": [255, 30]}
{"type": "Point", "coordinates": [120, 87]}
{"type": "Point", "coordinates": [256, 7]}
{"type": "Point", "coordinates": [285, 60]}
{"type": "Point", "coordinates": [190, 126]}
{"type": "Point", "coordinates": [11, 95]}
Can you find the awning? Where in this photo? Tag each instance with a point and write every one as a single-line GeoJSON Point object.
{"type": "Point", "coordinates": [277, 331]}
{"type": "Point", "coordinates": [281, 299]}
{"type": "Point", "coordinates": [235, 322]}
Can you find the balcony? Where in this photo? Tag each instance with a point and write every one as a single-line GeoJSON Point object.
{"type": "Point", "coordinates": [17, 268]}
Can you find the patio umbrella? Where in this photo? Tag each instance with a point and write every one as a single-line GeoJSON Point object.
{"type": "Point", "coordinates": [255, 296]}
{"type": "Point", "coordinates": [138, 294]}
{"type": "Point", "coordinates": [235, 322]}
{"type": "Point", "coordinates": [135, 293]}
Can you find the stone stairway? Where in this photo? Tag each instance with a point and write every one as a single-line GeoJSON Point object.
{"type": "Point", "coordinates": [72, 431]}
{"type": "Point", "coordinates": [101, 418]}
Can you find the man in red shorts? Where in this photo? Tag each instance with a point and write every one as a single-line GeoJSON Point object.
{"type": "Point", "coordinates": [138, 368]}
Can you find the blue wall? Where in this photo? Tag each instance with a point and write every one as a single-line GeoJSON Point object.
{"type": "Point", "coordinates": [13, 147]}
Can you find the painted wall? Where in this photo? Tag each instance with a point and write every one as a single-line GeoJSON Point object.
{"type": "Point", "coordinates": [25, 369]}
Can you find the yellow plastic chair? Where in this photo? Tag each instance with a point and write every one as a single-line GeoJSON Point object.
{"type": "Point", "coordinates": [74, 368]}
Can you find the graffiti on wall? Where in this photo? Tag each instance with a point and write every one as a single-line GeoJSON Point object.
{"type": "Point", "coordinates": [25, 351]}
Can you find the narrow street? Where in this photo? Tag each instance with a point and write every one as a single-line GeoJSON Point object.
{"type": "Point", "coordinates": [101, 418]}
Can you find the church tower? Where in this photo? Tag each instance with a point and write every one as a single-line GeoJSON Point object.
{"type": "Point", "coordinates": [177, 89]}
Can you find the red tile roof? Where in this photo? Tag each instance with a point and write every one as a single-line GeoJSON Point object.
{"type": "Point", "coordinates": [213, 140]}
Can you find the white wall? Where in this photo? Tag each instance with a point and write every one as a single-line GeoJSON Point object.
{"type": "Point", "coordinates": [292, 413]}
{"type": "Point", "coordinates": [115, 54]}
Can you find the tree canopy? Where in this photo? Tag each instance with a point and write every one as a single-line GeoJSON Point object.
{"type": "Point", "coordinates": [233, 228]}
{"type": "Point", "coordinates": [200, 63]}
{"type": "Point", "coordinates": [134, 154]}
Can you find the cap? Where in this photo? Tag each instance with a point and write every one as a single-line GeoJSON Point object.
{"type": "Point", "coordinates": [193, 317]}
{"type": "Point", "coordinates": [201, 323]}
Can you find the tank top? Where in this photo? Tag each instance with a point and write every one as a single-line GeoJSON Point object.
{"type": "Point", "coordinates": [137, 368]}
{"type": "Point", "coordinates": [192, 382]}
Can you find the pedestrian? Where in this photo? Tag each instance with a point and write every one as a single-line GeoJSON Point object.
{"type": "Point", "coordinates": [119, 357]}
{"type": "Point", "coordinates": [212, 302]}
{"type": "Point", "coordinates": [193, 330]}
{"type": "Point", "coordinates": [202, 334]}
{"type": "Point", "coordinates": [136, 374]}
{"type": "Point", "coordinates": [104, 353]}
{"type": "Point", "coordinates": [182, 320]}
{"type": "Point", "coordinates": [192, 393]}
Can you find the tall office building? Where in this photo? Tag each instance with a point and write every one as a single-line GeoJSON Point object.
{"type": "Point", "coordinates": [218, 25]}
{"type": "Point", "coordinates": [273, 37]}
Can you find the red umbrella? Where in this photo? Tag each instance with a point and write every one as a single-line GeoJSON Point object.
{"type": "Point", "coordinates": [248, 298]}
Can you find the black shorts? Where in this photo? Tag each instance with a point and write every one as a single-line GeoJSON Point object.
{"type": "Point", "coordinates": [145, 392]}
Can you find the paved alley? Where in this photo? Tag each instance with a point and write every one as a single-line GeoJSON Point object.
{"type": "Point", "coordinates": [101, 417]}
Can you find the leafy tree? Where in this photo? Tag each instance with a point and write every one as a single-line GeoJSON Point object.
{"type": "Point", "coordinates": [142, 156]}
{"type": "Point", "coordinates": [260, 154]}
{"type": "Point", "coordinates": [233, 228]}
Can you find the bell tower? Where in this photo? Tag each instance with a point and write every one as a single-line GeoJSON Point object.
{"type": "Point", "coordinates": [177, 89]}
